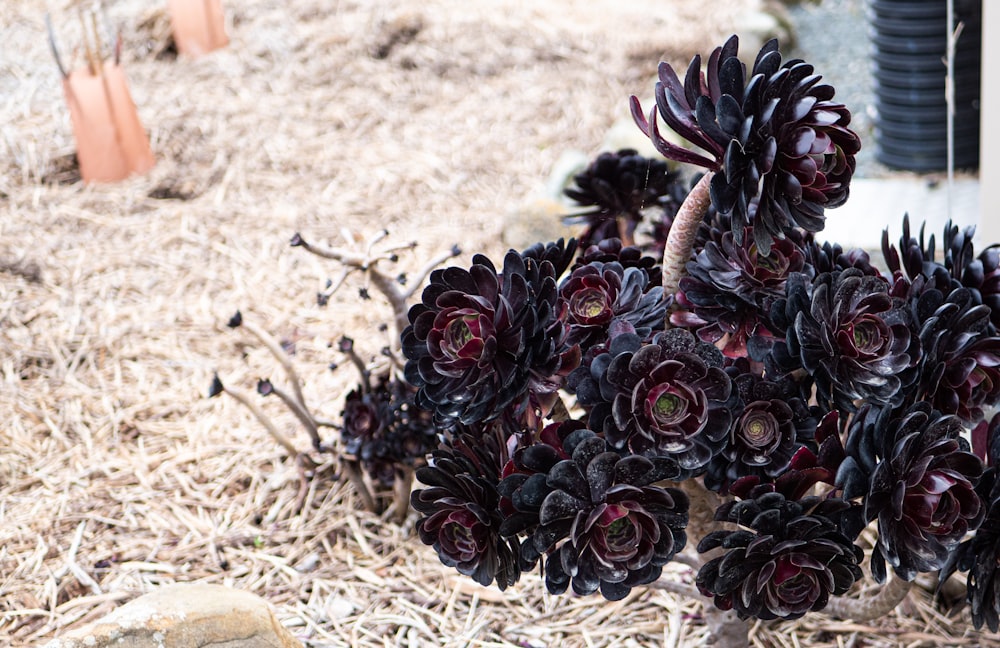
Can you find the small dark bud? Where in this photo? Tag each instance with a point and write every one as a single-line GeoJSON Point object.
{"type": "Point", "coordinates": [322, 299]}
{"type": "Point", "coordinates": [386, 351]}
{"type": "Point", "coordinates": [235, 320]}
{"type": "Point", "coordinates": [333, 366]}
{"type": "Point", "coordinates": [346, 344]}
{"type": "Point", "coordinates": [401, 278]}
{"type": "Point", "coordinates": [329, 283]}
{"type": "Point", "coordinates": [393, 258]}
{"type": "Point", "coordinates": [364, 294]}
{"type": "Point", "coordinates": [288, 347]}
{"type": "Point", "coordinates": [455, 250]}
{"type": "Point", "coordinates": [297, 240]}
{"type": "Point", "coordinates": [383, 327]}
{"type": "Point", "coordinates": [264, 387]}
{"type": "Point", "coordinates": [216, 387]}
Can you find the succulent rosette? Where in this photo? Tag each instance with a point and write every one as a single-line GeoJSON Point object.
{"type": "Point", "coordinates": [777, 138]}
{"type": "Point", "coordinates": [829, 256]}
{"type": "Point", "coordinates": [460, 515]}
{"type": "Point", "coordinates": [384, 429]}
{"type": "Point", "coordinates": [628, 256]}
{"type": "Point", "coordinates": [851, 337]}
{"type": "Point", "coordinates": [479, 340]}
{"type": "Point", "coordinates": [670, 398]}
{"type": "Point", "coordinates": [772, 426]}
{"type": "Point", "coordinates": [603, 524]}
{"type": "Point", "coordinates": [598, 294]}
{"type": "Point", "coordinates": [960, 364]}
{"type": "Point", "coordinates": [787, 560]}
{"type": "Point", "coordinates": [618, 187]}
{"type": "Point", "coordinates": [731, 287]}
{"type": "Point", "coordinates": [922, 491]}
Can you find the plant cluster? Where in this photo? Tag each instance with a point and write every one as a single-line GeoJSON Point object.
{"type": "Point", "coordinates": [580, 394]}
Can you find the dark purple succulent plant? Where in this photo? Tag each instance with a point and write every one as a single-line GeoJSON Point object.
{"type": "Point", "coordinates": [670, 398]}
{"type": "Point", "coordinates": [773, 425]}
{"type": "Point", "coordinates": [960, 364]}
{"type": "Point", "coordinates": [731, 287]}
{"type": "Point", "coordinates": [788, 559]}
{"type": "Point", "coordinates": [619, 186]}
{"type": "Point", "coordinates": [601, 522]}
{"type": "Point", "coordinates": [384, 429]}
{"type": "Point", "coordinates": [922, 490]}
{"type": "Point", "coordinates": [460, 515]}
{"type": "Point", "coordinates": [628, 256]}
{"type": "Point", "coordinates": [850, 337]}
{"type": "Point", "coordinates": [776, 137]}
{"type": "Point", "coordinates": [480, 340]}
{"type": "Point", "coordinates": [598, 295]}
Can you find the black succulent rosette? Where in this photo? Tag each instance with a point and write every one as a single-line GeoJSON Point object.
{"type": "Point", "coordinates": [460, 513]}
{"type": "Point", "coordinates": [776, 137]}
{"type": "Point", "coordinates": [829, 256]}
{"type": "Point", "coordinates": [787, 560]}
{"type": "Point", "coordinates": [480, 340]}
{"type": "Point", "coordinates": [596, 295]}
{"type": "Point", "coordinates": [922, 488]}
{"type": "Point", "coordinates": [982, 276]}
{"type": "Point", "coordinates": [984, 554]}
{"type": "Point", "coordinates": [731, 287]}
{"type": "Point", "coordinates": [669, 398]}
{"type": "Point", "coordinates": [524, 483]}
{"type": "Point", "coordinates": [628, 256]}
{"type": "Point", "coordinates": [773, 425]}
{"type": "Point", "coordinates": [603, 524]}
{"type": "Point", "coordinates": [850, 336]}
{"type": "Point", "coordinates": [619, 186]}
{"type": "Point", "coordinates": [384, 430]}
{"type": "Point", "coordinates": [960, 364]}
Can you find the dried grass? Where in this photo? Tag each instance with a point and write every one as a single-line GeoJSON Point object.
{"type": "Point", "coordinates": [117, 474]}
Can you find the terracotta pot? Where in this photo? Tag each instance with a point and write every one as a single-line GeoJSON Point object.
{"type": "Point", "coordinates": [110, 141]}
{"type": "Point", "coordinates": [198, 25]}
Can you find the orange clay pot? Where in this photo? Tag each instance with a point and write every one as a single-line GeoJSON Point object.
{"type": "Point", "coordinates": [110, 141]}
{"type": "Point", "coordinates": [198, 25]}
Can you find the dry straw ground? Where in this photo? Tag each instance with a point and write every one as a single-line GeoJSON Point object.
{"type": "Point", "coordinates": [430, 119]}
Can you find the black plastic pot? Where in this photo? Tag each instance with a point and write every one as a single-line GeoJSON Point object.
{"type": "Point", "coordinates": [909, 42]}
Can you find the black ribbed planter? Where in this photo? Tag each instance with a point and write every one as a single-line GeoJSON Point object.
{"type": "Point", "coordinates": [909, 43]}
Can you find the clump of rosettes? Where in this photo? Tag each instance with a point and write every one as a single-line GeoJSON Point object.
{"type": "Point", "coordinates": [776, 137]}
{"type": "Point", "coordinates": [788, 559]}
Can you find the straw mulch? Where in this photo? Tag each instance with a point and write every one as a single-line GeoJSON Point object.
{"type": "Point", "coordinates": [333, 119]}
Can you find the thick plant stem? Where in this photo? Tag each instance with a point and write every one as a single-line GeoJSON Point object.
{"type": "Point", "coordinates": [868, 607]}
{"type": "Point", "coordinates": [680, 240]}
{"type": "Point", "coordinates": [725, 629]}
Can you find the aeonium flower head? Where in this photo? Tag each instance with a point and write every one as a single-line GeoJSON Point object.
{"type": "Point", "coordinates": [776, 136]}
